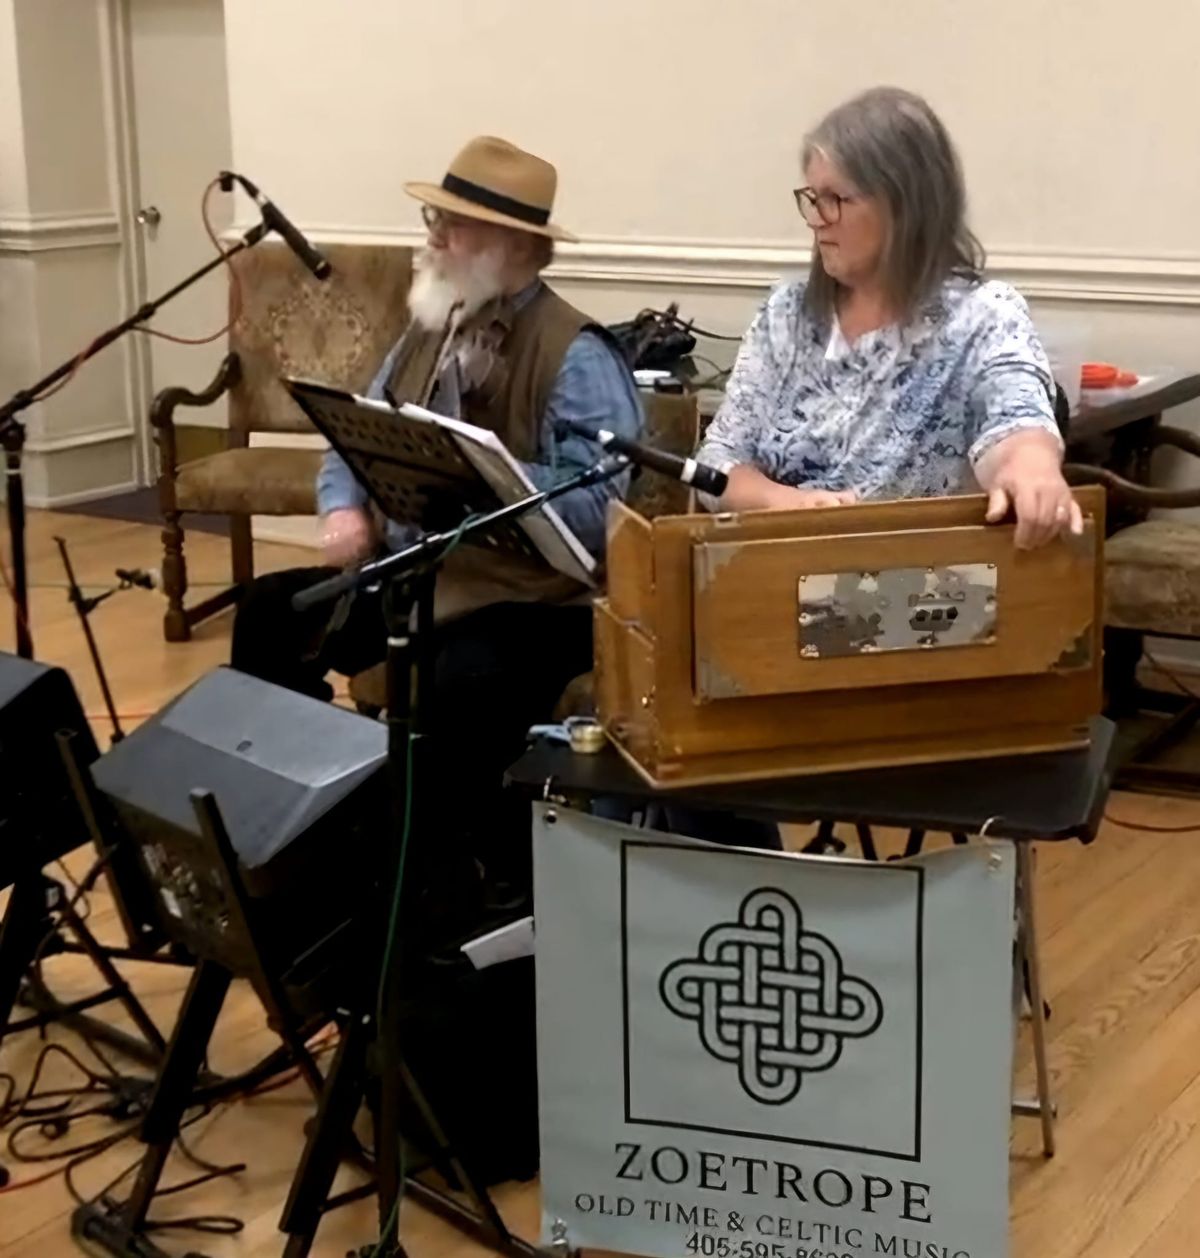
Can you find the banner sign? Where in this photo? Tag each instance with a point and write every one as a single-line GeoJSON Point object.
{"type": "Point", "coordinates": [757, 1055]}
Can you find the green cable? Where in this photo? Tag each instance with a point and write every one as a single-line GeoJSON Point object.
{"type": "Point", "coordinates": [458, 534]}
{"type": "Point", "coordinates": [389, 949]}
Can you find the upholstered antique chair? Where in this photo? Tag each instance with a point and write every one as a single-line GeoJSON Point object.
{"type": "Point", "coordinates": [672, 424]}
{"type": "Point", "coordinates": [1152, 589]}
{"type": "Point", "coordinates": [290, 323]}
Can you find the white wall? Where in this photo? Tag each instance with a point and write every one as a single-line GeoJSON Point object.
{"type": "Point", "coordinates": [675, 124]}
{"type": "Point", "coordinates": [61, 262]}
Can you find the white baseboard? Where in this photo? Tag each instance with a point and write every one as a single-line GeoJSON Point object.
{"type": "Point", "coordinates": [47, 502]}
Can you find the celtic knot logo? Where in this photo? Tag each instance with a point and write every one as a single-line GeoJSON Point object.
{"type": "Point", "coordinates": [771, 996]}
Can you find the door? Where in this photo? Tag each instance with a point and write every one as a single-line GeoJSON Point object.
{"type": "Point", "coordinates": [181, 123]}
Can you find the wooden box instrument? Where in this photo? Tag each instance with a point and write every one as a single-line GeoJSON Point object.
{"type": "Point", "coordinates": [767, 644]}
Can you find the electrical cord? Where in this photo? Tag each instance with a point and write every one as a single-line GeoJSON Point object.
{"type": "Point", "coordinates": [1147, 828]}
{"type": "Point", "coordinates": [688, 326]}
{"type": "Point", "coordinates": [718, 373]}
{"type": "Point", "coordinates": [235, 284]}
{"type": "Point", "coordinates": [53, 1118]}
{"type": "Point", "coordinates": [50, 1113]}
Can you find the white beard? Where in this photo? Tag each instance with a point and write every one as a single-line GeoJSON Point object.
{"type": "Point", "coordinates": [441, 287]}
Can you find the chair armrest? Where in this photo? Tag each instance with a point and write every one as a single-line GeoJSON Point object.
{"type": "Point", "coordinates": [162, 418]}
{"type": "Point", "coordinates": [1176, 438]}
{"type": "Point", "coordinates": [1129, 492]}
{"type": "Point", "coordinates": [162, 409]}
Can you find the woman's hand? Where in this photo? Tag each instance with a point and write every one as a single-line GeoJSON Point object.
{"type": "Point", "coordinates": [788, 498]}
{"type": "Point", "coordinates": [749, 490]}
{"type": "Point", "coordinates": [1023, 474]}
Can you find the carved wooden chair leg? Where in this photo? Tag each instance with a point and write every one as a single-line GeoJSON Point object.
{"type": "Point", "coordinates": [174, 579]}
{"type": "Point", "coordinates": [241, 546]}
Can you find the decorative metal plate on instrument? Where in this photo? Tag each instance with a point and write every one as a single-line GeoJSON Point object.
{"type": "Point", "coordinates": [897, 609]}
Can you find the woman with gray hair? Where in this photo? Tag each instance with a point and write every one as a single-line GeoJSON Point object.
{"type": "Point", "coordinates": [895, 371]}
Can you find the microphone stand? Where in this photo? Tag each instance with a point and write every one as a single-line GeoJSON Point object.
{"type": "Point", "coordinates": [84, 607]}
{"type": "Point", "coordinates": [12, 431]}
{"type": "Point", "coordinates": [409, 576]}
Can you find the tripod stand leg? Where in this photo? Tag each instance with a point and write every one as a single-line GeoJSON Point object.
{"type": "Point", "coordinates": [121, 1230]}
{"type": "Point", "coordinates": [327, 1141]}
{"type": "Point", "coordinates": [25, 925]}
{"type": "Point", "coordinates": [488, 1224]}
{"type": "Point", "coordinates": [120, 988]}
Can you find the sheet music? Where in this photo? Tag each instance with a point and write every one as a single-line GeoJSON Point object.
{"type": "Point", "coordinates": [436, 444]}
{"type": "Point", "coordinates": [494, 462]}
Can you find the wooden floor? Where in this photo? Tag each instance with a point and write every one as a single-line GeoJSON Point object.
{"type": "Point", "coordinates": [1121, 958]}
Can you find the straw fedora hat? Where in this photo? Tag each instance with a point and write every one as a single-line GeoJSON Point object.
{"type": "Point", "coordinates": [496, 182]}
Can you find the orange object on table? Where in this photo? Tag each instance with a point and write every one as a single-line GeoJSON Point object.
{"type": "Point", "coordinates": [1099, 375]}
{"type": "Point", "coordinates": [1106, 376]}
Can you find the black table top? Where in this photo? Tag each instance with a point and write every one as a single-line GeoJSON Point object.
{"type": "Point", "coordinates": [1057, 795]}
{"type": "Point", "coordinates": [1103, 410]}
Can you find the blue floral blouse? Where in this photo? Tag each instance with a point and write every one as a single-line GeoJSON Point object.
{"type": "Point", "coordinates": [905, 412]}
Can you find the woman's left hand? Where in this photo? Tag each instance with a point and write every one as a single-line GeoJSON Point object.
{"type": "Point", "coordinates": [1044, 508]}
{"type": "Point", "coordinates": [1023, 475]}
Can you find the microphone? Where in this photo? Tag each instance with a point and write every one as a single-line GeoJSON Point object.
{"type": "Point", "coordinates": [276, 220]}
{"type": "Point", "coordinates": [699, 475]}
{"type": "Point", "coordinates": [151, 580]}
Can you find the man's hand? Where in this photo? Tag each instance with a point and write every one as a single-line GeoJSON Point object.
{"type": "Point", "coordinates": [346, 536]}
{"type": "Point", "coordinates": [1023, 475]}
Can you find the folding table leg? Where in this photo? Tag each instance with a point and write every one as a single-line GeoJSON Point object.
{"type": "Point", "coordinates": [1027, 952]}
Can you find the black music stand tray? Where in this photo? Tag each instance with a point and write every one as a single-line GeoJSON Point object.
{"type": "Point", "coordinates": [412, 465]}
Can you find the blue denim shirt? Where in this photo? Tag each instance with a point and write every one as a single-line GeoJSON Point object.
{"type": "Point", "coordinates": [593, 387]}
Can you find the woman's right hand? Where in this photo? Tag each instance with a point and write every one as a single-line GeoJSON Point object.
{"type": "Point", "coordinates": [749, 490]}
{"type": "Point", "coordinates": [789, 498]}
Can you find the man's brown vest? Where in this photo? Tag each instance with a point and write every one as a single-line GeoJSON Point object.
{"type": "Point", "coordinates": [527, 350]}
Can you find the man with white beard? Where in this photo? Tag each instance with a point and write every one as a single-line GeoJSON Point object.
{"type": "Point", "coordinates": [488, 342]}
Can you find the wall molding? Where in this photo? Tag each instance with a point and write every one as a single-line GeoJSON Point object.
{"type": "Point", "coordinates": [80, 440]}
{"type": "Point", "coordinates": [47, 502]}
{"type": "Point", "coordinates": [740, 266]}
{"type": "Point", "coordinates": [40, 233]}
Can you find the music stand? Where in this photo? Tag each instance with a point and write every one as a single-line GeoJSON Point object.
{"type": "Point", "coordinates": [411, 462]}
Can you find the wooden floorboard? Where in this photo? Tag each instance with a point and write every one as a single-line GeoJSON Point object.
{"type": "Point", "coordinates": [1120, 947]}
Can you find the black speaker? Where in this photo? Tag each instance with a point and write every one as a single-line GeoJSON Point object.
{"type": "Point", "coordinates": [40, 819]}
{"type": "Point", "coordinates": [302, 790]}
